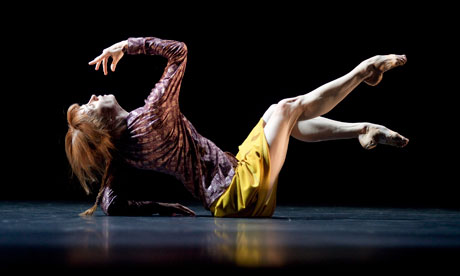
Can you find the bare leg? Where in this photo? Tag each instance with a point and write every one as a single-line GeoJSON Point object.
{"type": "Point", "coordinates": [323, 129]}
{"type": "Point", "coordinates": [369, 135]}
{"type": "Point", "coordinates": [323, 99]}
{"type": "Point", "coordinates": [281, 118]}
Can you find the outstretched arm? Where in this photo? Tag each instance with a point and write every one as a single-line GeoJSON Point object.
{"type": "Point", "coordinates": [174, 51]}
{"type": "Point", "coordinates": [168, 87]}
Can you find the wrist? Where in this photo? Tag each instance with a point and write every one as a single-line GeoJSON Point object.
{"type": "Point", "coordinates": [135, 46]}
{"type": "Point", "coordinates": [124, 44]}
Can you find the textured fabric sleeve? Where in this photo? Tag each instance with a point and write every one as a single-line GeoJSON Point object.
{"type": "Point", "coordinates": [113, 204]}
{"type": "Point", "coordinates": [166, 91]}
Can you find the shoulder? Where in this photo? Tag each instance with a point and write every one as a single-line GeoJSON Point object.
{"type": "Point", "coordinates": [133, 115]}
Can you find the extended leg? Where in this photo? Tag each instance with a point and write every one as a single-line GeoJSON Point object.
{"type": "Point", "coordinates": [281, 118]}
{"type": "Point", "coordinates": [368, 134]}
{"type": "Point", "coordinates": [326, 97]}
{"type": "Point", "coordinates": [323, 129]}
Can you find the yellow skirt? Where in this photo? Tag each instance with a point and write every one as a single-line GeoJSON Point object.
{"type": "Point", "coordinates": [247, 194]}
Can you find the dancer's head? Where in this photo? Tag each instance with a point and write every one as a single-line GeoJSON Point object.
{"type": "Point", "coordinates": [104, 109]}
{"type": "Point", "coordinates": [90, 140]}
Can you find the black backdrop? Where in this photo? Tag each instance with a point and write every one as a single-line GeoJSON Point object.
{"type": "Point", "coordinates": [241, 60]}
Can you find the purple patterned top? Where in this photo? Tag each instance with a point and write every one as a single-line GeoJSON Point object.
{"type": "Point", "coordinates": [160, 138]}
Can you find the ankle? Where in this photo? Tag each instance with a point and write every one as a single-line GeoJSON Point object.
{"type": "Point", "coordinates": [364, 70]}
{"type": "Point", "coordinates": [363, 128]}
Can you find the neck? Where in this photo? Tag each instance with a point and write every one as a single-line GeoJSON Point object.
{"type": "Point", "coordinates": [122, 115]}
{"type": "Point", "coordinates": [120, 123]}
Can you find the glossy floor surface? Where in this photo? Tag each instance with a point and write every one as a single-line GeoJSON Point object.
{"type": "Point", "coordinates": [51, 235]}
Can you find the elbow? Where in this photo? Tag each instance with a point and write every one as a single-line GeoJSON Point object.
{"type": "Point", "coordinates": [111, 210]}
{"type": "Point", "coordinates": [109, 203]}
{"type": "Point", "coordinates": [178, 52]}
{"type": "Point", "coordinates": [184, 48]}
{"type": "Point", "coordinates": [108, 209]}
{"type": "Point", "coordinates": [181, 51]}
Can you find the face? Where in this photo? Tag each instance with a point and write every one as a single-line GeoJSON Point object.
{"type": "Point", "coordinates": [105, 106]}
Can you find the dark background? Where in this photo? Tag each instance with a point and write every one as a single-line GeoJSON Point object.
{"type": "Point", "coordinates": [242, 59]}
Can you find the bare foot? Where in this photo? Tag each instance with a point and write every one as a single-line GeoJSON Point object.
{"type": "Point", "coordinates": [376, 66]}
{"type": "Point", "coordinates": [376, 134]}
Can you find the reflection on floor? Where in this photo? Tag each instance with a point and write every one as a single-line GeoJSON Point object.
{"type": "Point", "coordinates": [52, 235]}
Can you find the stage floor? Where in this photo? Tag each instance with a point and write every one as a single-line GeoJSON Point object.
{"type": "Point", "coordinates": [51, 235]}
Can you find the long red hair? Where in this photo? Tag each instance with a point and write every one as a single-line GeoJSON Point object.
{"type": "Point", "coordinates": [89, 145]}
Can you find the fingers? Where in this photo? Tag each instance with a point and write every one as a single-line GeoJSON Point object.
{"type": "Point", "coordinates": [94, 61]}
{"type": "Point", "coordinates": [190, 212]}
{"type": "Point", "coordinates": [115, 59]}
{"type": "Point", "coordinates": [114, 63]}
{"type": "Point", "coordinates": [185, 211]}
{"type": "Point", "coordinates": [115, 51]}
{"type": "Point", "coordinates": [97, 59]}
{"type": "Point", "coordinates": [104, 62]}
{"type": "Point", "coordinates": [104, 65]}
{"type": "Point", "coordinates": [103, 58]}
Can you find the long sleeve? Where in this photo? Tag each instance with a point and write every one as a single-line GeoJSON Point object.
{"type": "Point", "coordinates": [115, 205]}
{"type": "Point", "coordinates": [166, 91]}
{"type": "Point", "coordinates": [160, 138]}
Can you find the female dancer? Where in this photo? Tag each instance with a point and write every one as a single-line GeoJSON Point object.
{"type": "Point", "coordinates": [103, 137]}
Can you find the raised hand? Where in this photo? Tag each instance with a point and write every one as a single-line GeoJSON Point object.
{"type": "Point", "coordinates": [116, 51]}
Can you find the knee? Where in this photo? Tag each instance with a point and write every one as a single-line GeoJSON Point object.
{"type": "Point", "coordinates": [268, 114]}
{"type": "Point", "coordinates": [287, 107]}
{"type": "Point", "coordinates": [271, 109]}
